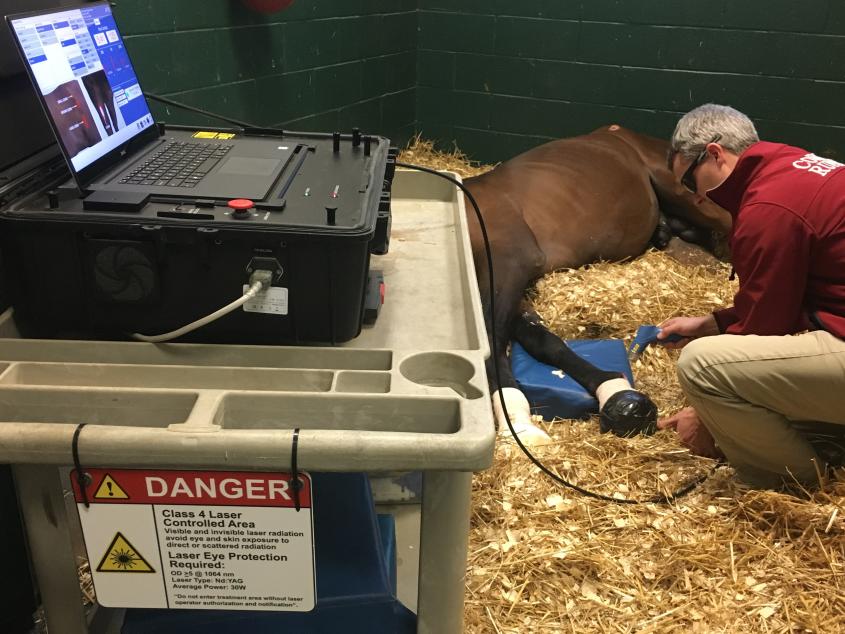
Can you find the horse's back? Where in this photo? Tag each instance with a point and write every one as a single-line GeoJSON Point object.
{"type": "Point", "coordinates": [584, 198]}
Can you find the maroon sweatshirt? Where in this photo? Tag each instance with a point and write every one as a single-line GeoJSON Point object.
{"type": "Point", "coordinates": [787, 242]}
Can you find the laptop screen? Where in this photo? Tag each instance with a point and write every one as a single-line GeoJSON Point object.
{"type": "Point", "coordinates": [86, 81]}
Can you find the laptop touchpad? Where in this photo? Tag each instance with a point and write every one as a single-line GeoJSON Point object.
{"type": "Point", "coordinates": [243, 165]}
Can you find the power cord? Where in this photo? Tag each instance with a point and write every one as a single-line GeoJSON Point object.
{"type": "Point", "coordinates": [259, 280]}
{"type": "Point", "coordinates": [205, 113]}
{"type": "Point", "coordinates": [657, 499]}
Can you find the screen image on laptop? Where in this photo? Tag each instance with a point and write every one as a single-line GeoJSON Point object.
{"type": "Point", "coordinates": [87, 84]}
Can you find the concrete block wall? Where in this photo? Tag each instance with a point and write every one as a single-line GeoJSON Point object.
{"type": "Point", "coordinates": [320, 65]}
{"type": "Point", "coordinates": [499, 77]}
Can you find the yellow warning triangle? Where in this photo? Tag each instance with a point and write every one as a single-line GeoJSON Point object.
{"type": "Point", "coordinates": [110, 490]}
{"type": "Point", "coordinates": [121, 556]}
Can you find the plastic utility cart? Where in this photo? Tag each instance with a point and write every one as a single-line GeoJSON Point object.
{"type": "Point", "coordinates": [407, 395]}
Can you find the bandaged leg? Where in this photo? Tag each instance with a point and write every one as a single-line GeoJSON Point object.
{"type": "Point", "coordinates": [609, 388]}
{"type": "Point", "coordinates": [520, 415]}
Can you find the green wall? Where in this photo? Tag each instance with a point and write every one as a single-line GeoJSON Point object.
{"type": "Point", "coordinates": [499, 77]}
{"type": "Point", "coordinates": [319, 65]}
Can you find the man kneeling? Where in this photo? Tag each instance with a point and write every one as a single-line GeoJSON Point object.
{"type": "Point", "coordinates": [772, 404]}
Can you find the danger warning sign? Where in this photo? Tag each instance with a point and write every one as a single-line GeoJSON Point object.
{"type": "Point", "coordinates": [203, 539]}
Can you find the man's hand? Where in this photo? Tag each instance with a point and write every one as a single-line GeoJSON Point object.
{"type": "Point", "coordinates": [689, 328]}
{"type": "Point", "coordinates": [691, 432]}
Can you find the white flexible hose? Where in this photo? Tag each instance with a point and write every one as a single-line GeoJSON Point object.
{"type": "Point", "coordinates": [173, 334]}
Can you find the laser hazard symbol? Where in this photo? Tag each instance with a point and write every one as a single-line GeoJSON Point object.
{"type": "Point", "coordinates": [110, 490]}
{"type": "Point", "coordinates": [121, 556]}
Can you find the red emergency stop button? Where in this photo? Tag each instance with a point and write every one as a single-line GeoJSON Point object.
{"type": "Point", "coordinates": [240, 207]}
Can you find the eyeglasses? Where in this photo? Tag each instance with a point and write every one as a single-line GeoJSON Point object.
{"type": "Point", "coordinates": [688, 179]}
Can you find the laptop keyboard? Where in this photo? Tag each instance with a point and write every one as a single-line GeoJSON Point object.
{"type": "Point", "coordinates": [177, 164]}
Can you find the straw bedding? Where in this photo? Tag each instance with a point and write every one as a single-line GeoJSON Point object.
{"type": "Point", "coordinates": [724, 558]}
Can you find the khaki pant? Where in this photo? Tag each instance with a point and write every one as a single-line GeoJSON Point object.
{"type": "Point", "coordinates": [753, 392]}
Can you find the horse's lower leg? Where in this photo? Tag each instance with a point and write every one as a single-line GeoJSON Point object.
{"type": "Point", "coordinates": [506, 396]}
{"type": "Point", "coordinates": [550, 349]}
{"type": "Point", "coordinates": [623, 411]}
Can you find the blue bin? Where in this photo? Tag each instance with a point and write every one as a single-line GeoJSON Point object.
{"type": "Point", "coordinates": [356, 577]}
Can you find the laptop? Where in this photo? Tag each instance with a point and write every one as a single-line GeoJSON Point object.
{"type": "Point", "coordinates": [91, 96]}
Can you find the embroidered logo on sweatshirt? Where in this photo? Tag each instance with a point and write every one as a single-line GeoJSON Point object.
{"type": "Point", "coordinates": [816, 164]}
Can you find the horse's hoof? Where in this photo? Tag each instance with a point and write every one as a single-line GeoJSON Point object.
{"type": "Point", "coordinates": [628, 413]}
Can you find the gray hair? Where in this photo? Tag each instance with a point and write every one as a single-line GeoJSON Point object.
{"type": "Point", "coordinates": [700, 126]}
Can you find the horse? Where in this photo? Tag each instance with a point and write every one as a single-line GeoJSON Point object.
{"type": "Point", "coordinates": [565, 204]}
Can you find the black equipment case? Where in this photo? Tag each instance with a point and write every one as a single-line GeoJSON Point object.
{"type": "Point", "coordinates": [80, 269]}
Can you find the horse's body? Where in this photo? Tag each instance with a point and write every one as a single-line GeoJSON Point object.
{"type": "Point", "coordinates": [569, 203]}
